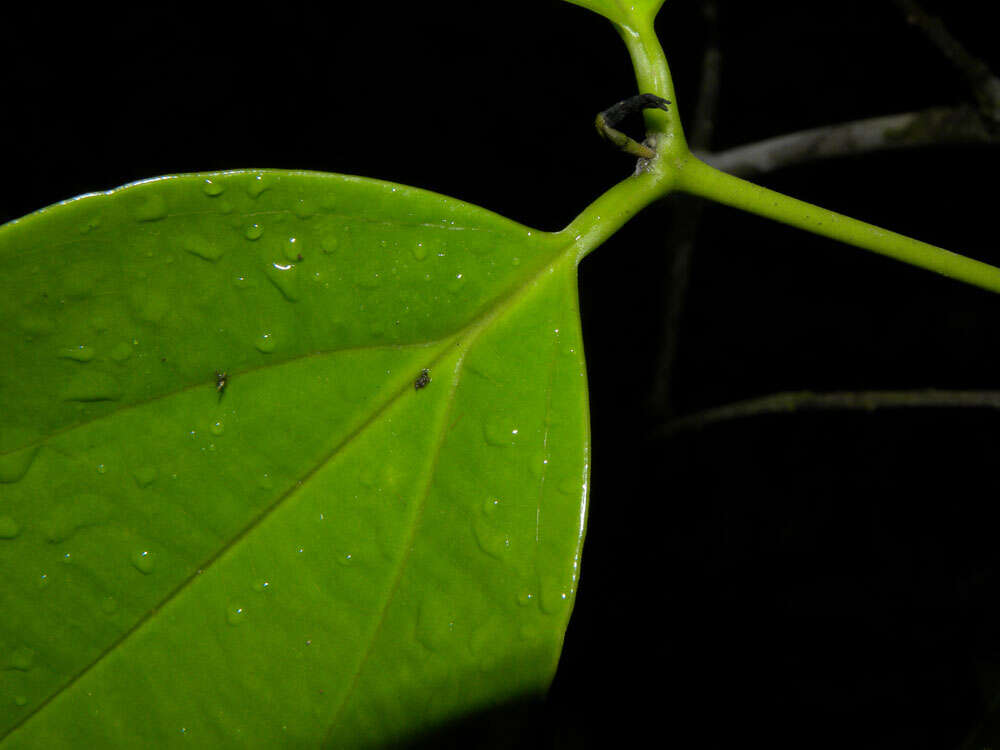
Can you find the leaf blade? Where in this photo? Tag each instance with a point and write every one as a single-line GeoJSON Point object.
{"type": "Point", "coordinates": [623, 13]}
{"type": "Point", "coordinates": [341, 400]}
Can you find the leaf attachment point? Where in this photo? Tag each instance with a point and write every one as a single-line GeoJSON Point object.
{"type": "Point", "coordinates": [606, 121]}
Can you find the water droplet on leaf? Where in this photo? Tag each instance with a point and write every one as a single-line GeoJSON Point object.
{"type": "Point", "coordinates": [90, 225]}
{"type": "Point", "coordinates": [303, 209]}
{"type": "Point", "coordinates": [285, 278]}
{"type": "Point", "coordinates": [61, 522]}
{"type": "Point", "coordinates": [36, 324]}
{"type": "Point", "coordinates": [235, 614]}
{"type": "Point", "coordinates": [435, 624]}
{"type": "Point", "coordinates": [491, 541]}
{"type": "Point", "coordinates": [144, 561]}
{"type": "Point", "coordinates": [22, 658]}
{"type": "Point", "coordinates": [92, 386]}
{"type": "Point", "coordinates": [9, 528]}
{"type": "Point", "coordinates": [265, 343]}
{"type": "Point", "coordinates": [81, 353]}
{"type": "Point", "coordinates": [571, 486]}
{"type": "Point", "coordinates": [121, 351]}
{"type": "Point", "coordinates": [243, 282]}
{"type": "Point", "coordinates": [258, 184]}
{"type": "Point", "coordinates": [500, 432]}
{"type": "Point", "coordinates": [202, 248]}
{"type": "Point", "coordinates": [212, 188]}
{"type": "Point", "coordinates": [15, 465]}
{"type": "Point", "coordinates": [152, 208]}
{"type": "Point", "coordinates": [293, 250]}
{"type": "Point", "coordinates": [554, 598]}
{"type": "Point", "coordinates": [368, 476]}
{"type": "Point", "coordinates": [144, 475]}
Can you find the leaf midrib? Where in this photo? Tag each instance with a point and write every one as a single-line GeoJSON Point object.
{"type": "Point", "coordinates": [501, 300]}
{"type": "Point", "coordinates": [233, 375]}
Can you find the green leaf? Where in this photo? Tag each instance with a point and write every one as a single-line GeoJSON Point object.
{"type": "Point", "coordinates": [624, 12]}
{"type": "Point", "coordinates": [228, 513]}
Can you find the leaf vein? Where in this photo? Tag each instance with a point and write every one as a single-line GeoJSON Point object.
{"type": "Point", "coordinates": [218, 554]}
{"type": "Point", "coordinates": [408, 548]}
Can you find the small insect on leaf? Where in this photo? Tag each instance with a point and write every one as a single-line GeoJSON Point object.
{"type": "Point", "coordinates": [422, 379]}
{"type": "Point", "coordinates": [221, 379]}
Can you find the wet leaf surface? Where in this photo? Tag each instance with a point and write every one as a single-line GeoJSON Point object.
{"type": "Point", "coordinates": [285, 457]}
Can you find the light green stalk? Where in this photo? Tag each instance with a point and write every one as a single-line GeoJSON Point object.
{"type": "Point", "coordinates": [674, 168]}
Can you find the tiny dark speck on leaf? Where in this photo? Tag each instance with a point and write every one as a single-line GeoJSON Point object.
{"type": "Point", "coordinates": [422, 379]}
{"type": "Point", "coordinates": [221, 381]}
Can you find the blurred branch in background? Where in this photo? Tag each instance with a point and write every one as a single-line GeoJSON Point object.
{"type": "Point", "coordinates": [798, 401]}
{"type": "Point", "coordinates": [683, 219]}
{"type": "Point", "coordinates": [984, 84]}
{"type": "Point", "coordinates": [964, 124]}
{"type": "Point", "coordinates": [929, 127]}
{"type": "Point", "coordinates": [938, 125]}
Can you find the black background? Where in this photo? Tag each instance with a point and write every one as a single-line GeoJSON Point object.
{"type": "Point", "coordinates": [814, 580]}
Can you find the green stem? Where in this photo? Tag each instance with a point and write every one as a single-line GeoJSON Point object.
{"type": "Point", "coordinates": [653, 77]}
{"type": "Point", "coordinates": [675, 168]}
{"type": "Point", "coordinates": [613, 209]}
{"type": "Point", "coordinates": [700, 179]}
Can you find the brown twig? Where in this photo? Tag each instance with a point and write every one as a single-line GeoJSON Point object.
{"type": "Point", "coordinates": [984, 84]}
{"type": "Point", "coordinates": [908, 130]}
{"type": "Point", "coordinates": [940, 125]}
{"type": "Point", "coordinates": [798, 401]}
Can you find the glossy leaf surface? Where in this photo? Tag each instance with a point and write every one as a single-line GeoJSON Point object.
{"type": "Point", "coordinates": [622, 11]}
{"type": "Point", "coordinates": [234, 510]}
